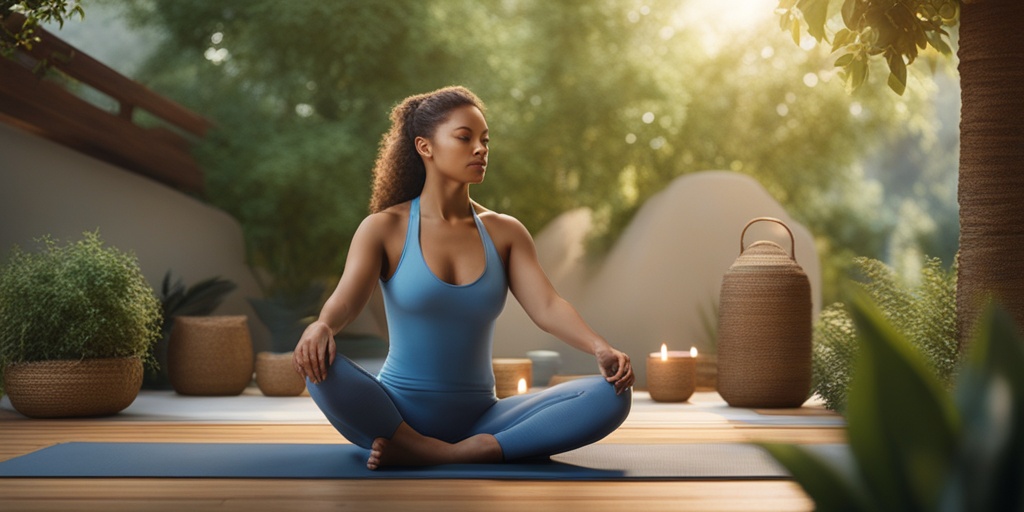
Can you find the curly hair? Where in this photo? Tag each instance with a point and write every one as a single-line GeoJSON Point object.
{"type": "Point", "coordinates": [399, 173]}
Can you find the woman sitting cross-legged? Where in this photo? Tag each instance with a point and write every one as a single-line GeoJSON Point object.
{"type": "Point", "coordinates": [445, 265]}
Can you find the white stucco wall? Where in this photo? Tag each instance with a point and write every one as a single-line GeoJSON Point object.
{"type": "Point", "coordinates": [47, 188]}
{"type": "Point", "coordinates": [664, 270]}
{"type": "Point", "coordinates": [649, 289]}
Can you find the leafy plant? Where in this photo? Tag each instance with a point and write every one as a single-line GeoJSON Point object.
{"type": "Point", "coordinates": [924, 313]}
{"type": "Point", "coordinates": [200, 299]}
{"type": "Point", "coordinates": [893, 30]}
{"type": "Point", "coordinates": [286, 317]}
{"type": "Point", "coordinates": [76, 301]}
{"type": "Point", "coordinates": [35, 12]}
{"type": "Point", "coordinates": [914, 444]}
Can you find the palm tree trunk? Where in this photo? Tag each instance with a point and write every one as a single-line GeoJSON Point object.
{"type": "Point", "coordinates": [991, 190]}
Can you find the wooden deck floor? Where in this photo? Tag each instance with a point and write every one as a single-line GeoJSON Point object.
{"type": "Point", "coordinates": [19, 436]}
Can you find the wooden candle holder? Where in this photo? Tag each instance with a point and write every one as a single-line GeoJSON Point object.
{"type": "Point", "coordinates": [507, 373]}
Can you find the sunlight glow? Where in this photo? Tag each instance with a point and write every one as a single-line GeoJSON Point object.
{"type": "Point", "coordinates": [733, 14]}
{"type": "Point", "coordinates": [217, 56]}
{"type": "Point", "coordinates": [722, 19]}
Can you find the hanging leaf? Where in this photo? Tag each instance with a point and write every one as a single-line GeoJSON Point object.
{"type": "Point", "coordinates": [842, 38]}
{"type": "Point", "coordinates": [815, 12]}
{"type": "Point", "coordinates": [857, 72]}
{"type": "Point", "coordinates": [897, 72]}
{"type": "Point", "coordinates": [935, 39]}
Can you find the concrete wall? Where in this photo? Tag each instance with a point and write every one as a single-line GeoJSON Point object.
{"type": "Point", "coordinates": [664, 272]}
{"type": "Point", "coordinates": [47, 188]}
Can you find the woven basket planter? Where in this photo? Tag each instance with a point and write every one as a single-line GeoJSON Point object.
{"type": "Point", "coordinates": [73, 388]}
{"type": "Point", "coordinates": [764, 327]}
{"type": "Point", "coordinates": [275, 375]}
{"type": "Point", "coordinates": [210, 355]}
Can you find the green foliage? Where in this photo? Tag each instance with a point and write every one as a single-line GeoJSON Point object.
{"type": "Point", "coordinates": [888, 29]}
{"type": "Point", "coordinates": [594, 104]}
{"type": "Point", "coordinates": [834, 350]}
{"type": "Point", "coordinates": [200, 299]}
{"type": "Point", "coordinates": [76, 301]}
{"type": "Point", "coordinates": [915, 445]}
{"type": "Point", "coordinates": [924, 313]}
{"type": "Point", "coordinates": [35, 12]}
{"type": "Point", "coordinates": [286, 317]}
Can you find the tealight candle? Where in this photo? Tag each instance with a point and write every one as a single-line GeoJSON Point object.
{"type": "Point", "coordinates": [671, 375]}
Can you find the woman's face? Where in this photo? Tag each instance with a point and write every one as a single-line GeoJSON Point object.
{"type": "Point", "coordinates": [458, 149]}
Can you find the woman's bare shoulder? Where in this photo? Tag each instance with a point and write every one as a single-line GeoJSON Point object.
{"type": "Point", "coordinates": [501, 224]}
{"type": "Point", "coordinates": [386, 221]}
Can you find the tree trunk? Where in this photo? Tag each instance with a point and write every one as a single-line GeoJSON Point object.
{"type": "Point", "coordinates": [991, 190]}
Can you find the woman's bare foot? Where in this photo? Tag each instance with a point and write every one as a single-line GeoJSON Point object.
{"type": "Point", "coordinates": [410, 448]}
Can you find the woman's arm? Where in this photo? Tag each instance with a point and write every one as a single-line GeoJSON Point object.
{"type": "Point", "coordinates": [555, 315]}
{"type": "Point", "coordinates": [316, 349]}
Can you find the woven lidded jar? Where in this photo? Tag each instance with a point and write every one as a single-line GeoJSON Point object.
{"type": "Point", "coordinates": [764, 327]}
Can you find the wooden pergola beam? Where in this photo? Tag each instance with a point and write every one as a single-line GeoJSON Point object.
{"type": "Point", "coordinates": [45, 107]}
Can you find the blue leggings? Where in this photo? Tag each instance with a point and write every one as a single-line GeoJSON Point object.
{"type": "Point", "coordinates": [555, 420]}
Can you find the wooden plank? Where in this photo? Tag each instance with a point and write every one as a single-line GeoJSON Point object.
{"type": "Point", "coordinates": [68, 119]}
{"type": "Point", "coordinates": [19, 435]}
{"type": "Point", "coordinates": [81, 66]}
{"type": "Point", "coordinates": [391, 495]}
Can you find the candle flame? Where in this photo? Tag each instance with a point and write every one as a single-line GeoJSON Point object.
{"type": "Point", "coordinates": [522, 386]}
{"type": "Point", "coordinates": [664, 352]}
{"type": "Point", "coordinates": [693, 351]}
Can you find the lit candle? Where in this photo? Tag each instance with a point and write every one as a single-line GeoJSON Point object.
{"type": "Point", "coordinates": [671, 375]}
{"type": "Point", "coordinates": [511, 376]}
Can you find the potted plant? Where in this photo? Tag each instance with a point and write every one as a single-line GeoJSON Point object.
{"type": "Point", "coordinates": [286, 318]}
{"type": "Point", "coordinates": [200, 299]}
{"type": "Point", "coordinates": [76, 324]}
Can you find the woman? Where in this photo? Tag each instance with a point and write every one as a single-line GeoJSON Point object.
{"type": "Point", "coordinates": [445, 265]}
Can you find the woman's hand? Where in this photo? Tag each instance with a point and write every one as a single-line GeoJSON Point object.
{"type": "Point", "coordinates": [314, 352]}
{"type": "Point", "coordinates": [616, 368]}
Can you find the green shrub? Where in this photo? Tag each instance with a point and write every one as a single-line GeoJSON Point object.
{"type": "Point", "coordinates": [76, 301]}
{"type": "Point", "coordinates": [924, 313]}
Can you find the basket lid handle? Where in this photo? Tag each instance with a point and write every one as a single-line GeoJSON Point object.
{"type": "Point", "coordinates": [792, 240]}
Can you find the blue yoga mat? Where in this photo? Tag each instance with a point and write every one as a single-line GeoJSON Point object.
{"type": "Point", "coordinates": [228, 460]}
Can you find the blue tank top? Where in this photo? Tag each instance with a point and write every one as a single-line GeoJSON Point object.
{"type": "Point", "coordinates": [440, 333]}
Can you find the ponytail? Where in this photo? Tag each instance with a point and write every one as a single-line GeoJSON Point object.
{"type": "Point", "coordinates": [399, 173]}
